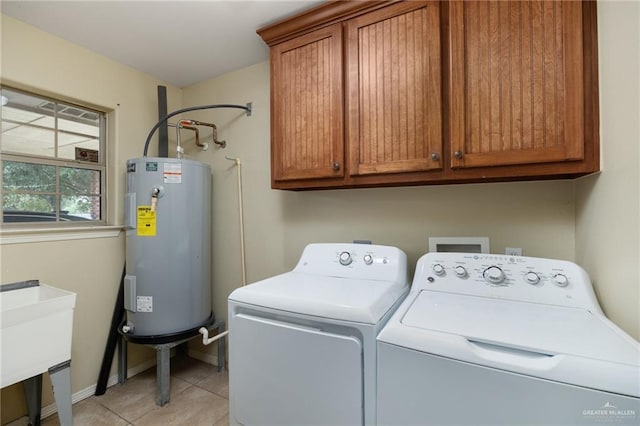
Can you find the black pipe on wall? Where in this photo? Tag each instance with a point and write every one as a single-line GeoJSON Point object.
{"type": "Point", "coordinates": [163, 130]}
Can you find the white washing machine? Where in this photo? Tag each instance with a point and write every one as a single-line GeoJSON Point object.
{"type": "Point", "coordinates": [302, 345]}
{"type": "Point", "coordinates": [502, 340]}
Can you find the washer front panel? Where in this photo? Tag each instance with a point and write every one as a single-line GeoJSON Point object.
{"type": "Point", "coordinates": [415, 388]}
{"type": "Point", "coordinates": [287, 374]}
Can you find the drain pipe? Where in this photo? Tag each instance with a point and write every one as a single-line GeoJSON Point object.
{"type": "Point", "coordinates": [206, 340]}
{"type": "Point", "coordinates": [241, 220]}
{"type": "Point", "coordinates": [205, 333]}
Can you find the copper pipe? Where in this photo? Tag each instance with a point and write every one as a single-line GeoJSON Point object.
{"type": "Point", "coordinates": [222, 144]}
{"type": "Point", "coordinates": [247, 108]}
{"type": "Point", "coordinates": [186, 124]}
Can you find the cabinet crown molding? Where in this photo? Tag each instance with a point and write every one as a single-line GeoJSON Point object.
{"type": "Point", "coordinates": [317, 17]}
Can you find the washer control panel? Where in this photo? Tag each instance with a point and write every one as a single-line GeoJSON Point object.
{"type": "Point", "coordinates": [527, 279]}
{"type": "Point", "coordinates": [356, 261]}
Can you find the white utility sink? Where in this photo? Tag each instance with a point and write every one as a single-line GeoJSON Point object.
{"type": "Point", "coordinates": [35, 331]}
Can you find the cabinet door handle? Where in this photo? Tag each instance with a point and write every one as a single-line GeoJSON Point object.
{"type": "Point", "coordinates": [336, 166]}
{"type": "Point", "coordinates": [458, 154]}
{"type": "Point", "coordinates": [435, 156]}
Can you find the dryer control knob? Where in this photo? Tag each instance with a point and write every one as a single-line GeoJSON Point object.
{"type": "Point", "coordinates": [461, 271]}
{"type": "Point", "coordinates": [494, 275]}
{"type": "Point", "coordinates": [368, 259]}
{"type": "Point", "coordinates": [345, 258]}
{"type": "Point", "coordinates": [561, 280]}
{"type": "Point", "coordinates": [532, 278]}
{"type": "Point", "coordinates": [438, 269]}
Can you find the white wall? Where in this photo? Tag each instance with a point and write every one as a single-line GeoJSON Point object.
{"type": "Point", "coordinates": [36, 61]}
{"type": "Point", "coordinates": [607, 205]}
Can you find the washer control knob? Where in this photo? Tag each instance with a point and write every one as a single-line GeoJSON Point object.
{"type": "Point", "coordinates": [494, 275]}
{"type": "Point", "coordinates": [460, 271]}
{"type": "Point", "coordinates": [368, 259]}
{"type": "Point", "coordinates": [532, 278]}
{"type": "Point", "coordinates": [438, 269]}
{"type": "Point", "coordinates": [561, 280]}
{"type": "Point", "coordinates": [345, 258]}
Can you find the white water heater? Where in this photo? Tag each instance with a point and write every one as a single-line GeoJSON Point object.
{"type": "Point", "coordinates": [168, 249]}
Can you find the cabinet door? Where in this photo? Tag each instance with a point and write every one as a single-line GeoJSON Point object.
{"type": "Point", "coordinates": [394, 89]}
{"type": "Point", "coordinates": [516, 87]}
{"type": "Point", "coordinates": [307, 111]}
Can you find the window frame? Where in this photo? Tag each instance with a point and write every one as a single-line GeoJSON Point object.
{"type": "Point", "coordinates": [101, 166]}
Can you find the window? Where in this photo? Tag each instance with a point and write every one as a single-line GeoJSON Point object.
{"type": "Point", "coordinates": [53, 161]}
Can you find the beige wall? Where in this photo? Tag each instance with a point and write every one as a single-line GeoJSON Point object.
{"type": "Point", "coordinates": [36, 61]}
{"type": "Point", "coordinates": [607, 205]}
{"type": "Point", "coordinates": [537, 216]}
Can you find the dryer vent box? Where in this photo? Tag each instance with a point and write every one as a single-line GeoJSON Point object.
{"type": "Point", "coordinates": [459, 244]}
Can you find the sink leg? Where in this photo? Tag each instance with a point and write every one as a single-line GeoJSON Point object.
{"type": "Point", "coordinates": [61, 381]}
{"type": "Point", "coordinates": [33, 394]}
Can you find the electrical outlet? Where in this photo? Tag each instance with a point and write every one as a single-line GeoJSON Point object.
{"type": "Point", "coordinates": [513, 251]}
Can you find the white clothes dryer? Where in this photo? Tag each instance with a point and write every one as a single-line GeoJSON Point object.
{"type": "Point", "coordinates": [302, 345]}
{"type": "Point", "coordinates": [501, 340]}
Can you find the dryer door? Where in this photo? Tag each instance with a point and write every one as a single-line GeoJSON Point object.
{"type": "Point", "coordinates": [287, 374]}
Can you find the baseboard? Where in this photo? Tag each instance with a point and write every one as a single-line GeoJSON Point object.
{"type": "Point", "coordinates": [91, 390]}
{"type": "Point", "coordinates": [51, 409]}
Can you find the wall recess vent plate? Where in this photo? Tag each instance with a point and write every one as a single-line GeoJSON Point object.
{"type": "Point", "coordinates": [459, 244]}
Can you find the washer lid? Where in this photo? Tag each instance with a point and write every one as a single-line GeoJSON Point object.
{"type": "Point", "coordinates": [364, 301]}
{"type": "Point", "coordinates": [543, 329]}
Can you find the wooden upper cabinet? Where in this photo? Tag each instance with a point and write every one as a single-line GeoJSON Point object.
{"type": "Point", "coordinates": [307, 106]}
{"type": "Point", "coordinates": [516, 82]}
{"type": "Point", "coordinates": [394, 89]}
{"type": "Point", "coordinates": [386, 93]}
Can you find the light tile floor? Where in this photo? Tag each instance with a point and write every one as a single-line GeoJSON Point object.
{"type": "Point", "coordinates": [199, 396]}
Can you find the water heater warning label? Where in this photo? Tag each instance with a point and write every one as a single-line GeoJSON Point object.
{"type": "Point", "coordinates": [146, 222]}
{"type": "Point", "coordinates": [144, 304]}
{"type": "Point", "coordinates": [172, 173]}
